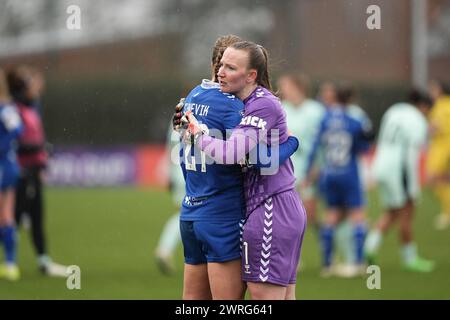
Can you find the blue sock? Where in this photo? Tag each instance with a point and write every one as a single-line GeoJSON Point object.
{"type": "Point", "coordinates": [9, 242]}
{"type": "Point", "coordinates": [327, 234]}
{"type": "Point", "coordinates": [359, 234]}
{"type": "Point", "coordinates": [1, 234]}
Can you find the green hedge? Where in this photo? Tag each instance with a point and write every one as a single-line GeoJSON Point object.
{"type": "Point", "coordinates": [109, 111]}
{"type": "Point", "coordinates": [137, 110]}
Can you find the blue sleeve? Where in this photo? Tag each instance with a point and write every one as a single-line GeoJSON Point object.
{"type": "Point", "coordinates": [287, 149]}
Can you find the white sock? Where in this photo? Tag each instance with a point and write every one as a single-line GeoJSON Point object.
{"type": "Point", "coordinates": [373, 241]}
{"type": "Point", "coordinates": [43, 260]}
{"type": "Point", "coordinates": [170, 236]}
{"type": "Point", "coordinates": [344, 242]}
{"type": "Point", "coordinates": [409, 252]}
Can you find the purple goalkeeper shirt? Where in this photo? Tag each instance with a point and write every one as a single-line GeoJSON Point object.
{"type": "Point", "coordinates": [264, 120]}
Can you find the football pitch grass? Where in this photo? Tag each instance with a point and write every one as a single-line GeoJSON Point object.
{"type": "Point", "coordinates": [111, 235]}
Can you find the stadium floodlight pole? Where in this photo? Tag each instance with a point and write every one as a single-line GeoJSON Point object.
{"type": "Point", "coordinates": [419, 43]}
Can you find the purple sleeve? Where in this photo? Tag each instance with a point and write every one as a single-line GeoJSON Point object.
{"type": "Point", "coordinates": [260, 117]}
{"type": "Point", "coordinates": [231, 151]}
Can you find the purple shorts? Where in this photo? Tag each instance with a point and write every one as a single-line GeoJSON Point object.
{"type": "Point", "coordinates": [272, 240]}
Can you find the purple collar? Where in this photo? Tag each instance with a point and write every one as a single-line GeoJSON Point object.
{"type": "Point", "coordinates": [251, 94]}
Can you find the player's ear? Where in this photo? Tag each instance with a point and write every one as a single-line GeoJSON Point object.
{"type": "Point", "coordinates": [252, 75]}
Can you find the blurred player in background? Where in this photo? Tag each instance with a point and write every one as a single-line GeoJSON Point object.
{"type": "Point", "coordinates": [438, 159]}
{"type": "Point", "coordinates": [345, 260]}
{"type": "Point", "coordinates": [344, 233]}
{"type": "Point", "coordinates": [26, 85]}
{"type": "Point", "coordinates": [342, 138]}
{"type": "Point", "coordinates": [10, 128]}
{"type": "Point", "coordinates": [170, 235]}
{"type": "Point", "coordinates": [402, 137]}
{"type": "Point", "coordinates": [303, 116]}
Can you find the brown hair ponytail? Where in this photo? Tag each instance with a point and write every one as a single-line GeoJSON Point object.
{"type": "Point", "coordinates": [264, 80]}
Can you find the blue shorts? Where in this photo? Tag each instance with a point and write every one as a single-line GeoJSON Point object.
{"type": "Point", "coordinates": [206, 241]}
{"type": "Point", "coordinates": [342, 191]}
{"type": "Point", "coordinates": [9, 174]}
